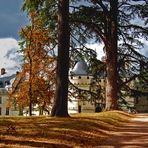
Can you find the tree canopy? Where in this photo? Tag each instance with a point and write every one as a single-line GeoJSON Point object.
{"type": "Point", "coordinates": [110, 22]}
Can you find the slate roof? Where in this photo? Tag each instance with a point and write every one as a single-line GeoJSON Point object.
{"type": "Point", "coordinates": [80, 68]}
{"type": "Point", "coordinates": [6, 80]}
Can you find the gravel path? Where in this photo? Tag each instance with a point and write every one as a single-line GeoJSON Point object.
{"type": "Point", "coordinates": [132, 135]}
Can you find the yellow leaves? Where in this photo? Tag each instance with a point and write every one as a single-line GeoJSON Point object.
{"type": "Point", "coordinates": [38, 67]}
{"type": "Point", "coordinates": [33, 14]}
{"type": "Point", "coordinates": [37, 33]}
{"type": "Point", "coordinates": [81, 130]}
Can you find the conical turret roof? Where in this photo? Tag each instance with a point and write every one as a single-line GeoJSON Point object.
{"type": "Point", "coordinates": [80, 68]}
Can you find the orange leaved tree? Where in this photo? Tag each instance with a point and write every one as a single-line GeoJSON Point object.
{"type": "Point", "coordinates": [37, 75]}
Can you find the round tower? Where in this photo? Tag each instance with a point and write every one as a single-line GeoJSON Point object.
{"type": "Point", "coordinates": [80, 77]}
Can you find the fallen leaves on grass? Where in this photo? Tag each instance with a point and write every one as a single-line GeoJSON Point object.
{"type": "Point", "coordinates": [80, 130]}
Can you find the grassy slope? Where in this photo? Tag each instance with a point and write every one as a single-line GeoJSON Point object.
{"type": "Point", "coordinates": [82, 130]}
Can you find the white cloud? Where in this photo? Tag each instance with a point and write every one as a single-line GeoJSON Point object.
{"type": "Point", "coordinates": [144, 50]}
{"type": "Point", "coordinates": [98, 48]}
{"type": "Point", "coordinates": [9, 58]}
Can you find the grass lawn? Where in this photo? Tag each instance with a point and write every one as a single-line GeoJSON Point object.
{"type": "Point", "coordinates": [80, 130]}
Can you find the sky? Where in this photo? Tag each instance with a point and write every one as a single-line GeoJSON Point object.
{"type": "Point", "coordinates": [12, 19]}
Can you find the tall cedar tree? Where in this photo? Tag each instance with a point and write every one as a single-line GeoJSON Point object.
{"type": "Point", "coordinates": [111, 22]}
{"type": "Point", "coordinates": [61, 98]}
{"type": "Point", "coordinates": [108, 35]}
{"type": "Point", "coordinates": [60, 107]}
{"type": "Point", "coordinates": [106, 19]}
{"type": "Point", "coordinates": [110, 40]}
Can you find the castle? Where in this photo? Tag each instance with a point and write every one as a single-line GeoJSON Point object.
{"type": "Point", "coordinates": [80, 78]}
{"type": "Point", "coordinates": [5, 85]}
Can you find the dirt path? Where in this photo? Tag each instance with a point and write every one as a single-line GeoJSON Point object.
{"type": "Point", "coordinates": [132, 135]}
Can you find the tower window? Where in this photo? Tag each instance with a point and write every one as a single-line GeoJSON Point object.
{"type": "Point", "coordinates": [136, 100]}
{"type": "Point", "coordinates": [1, 84]}
{"type": "Point", "coordinates": [7, 82]}
{"type": "Point", "coordinates": [0, 100]}
{"type": "Point", "coordinates": [7, 110]}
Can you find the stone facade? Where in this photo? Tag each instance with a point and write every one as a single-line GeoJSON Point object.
{"type": "Point", "coordinates": [80, 78]}
{"type": "Point", "coordinates": [6, 107]}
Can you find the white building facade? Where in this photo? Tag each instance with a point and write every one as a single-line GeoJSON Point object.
{"type": "Point", "coordinates": [80, 78]}
{"type": "Point", "coordinates": [6, 107]}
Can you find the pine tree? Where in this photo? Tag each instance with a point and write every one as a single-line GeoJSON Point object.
{"type": "Point", "coordinates": [111, 23]}
{"type": "Point", "coordinates": [60, 107]}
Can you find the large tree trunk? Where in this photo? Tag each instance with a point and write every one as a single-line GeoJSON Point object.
{"type": "Point", "coordinates": [60, 107]}
{"type": "Point", "coordinates": [111, 80]}
{"type": "Point", "coordinates": [111, 58]}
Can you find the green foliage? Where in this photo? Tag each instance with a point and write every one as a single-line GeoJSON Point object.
{"type": "Point", "coordinates": [88, 20]}
{"type": "Point", "coordinates": [129, 35]}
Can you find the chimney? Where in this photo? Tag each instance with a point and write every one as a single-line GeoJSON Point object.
{"type": "Point", "coordinates": [17, 72]}
{"type": "Point", "coordinates": [3, 71]}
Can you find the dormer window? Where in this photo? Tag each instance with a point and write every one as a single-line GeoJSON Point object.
{"type": "Point", "coordinates": [7, 82]}
{"type": "Point", "coordinates": [7, 110]}
{"type": "Point", "coordinates": [1, 84]}
{"type": "Point", "coordinates": [0, 100]}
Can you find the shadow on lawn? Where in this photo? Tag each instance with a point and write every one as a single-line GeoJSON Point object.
{"type": "Point", "coordinates": [33, 143]}
{"type": "Point", "coordinates": [72, 132]}
{"type": "Point", "coordinates": [59, 132]}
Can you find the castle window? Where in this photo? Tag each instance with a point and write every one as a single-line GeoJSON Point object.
{"type": "Point", "coordinates": [7, 82]}
{"type": "Point", "coordinates": [0, 111]}
{"type": "Point", "coordinates": [87, 77]}
{"type": "Point", "coordinates": [136, 100]}
{"type": "Point", "coordinates": [0, 100]}
{"type": "Point", "coordinates": [7, 110]}
{"type": "Point", "coordinates": [1, 84]}
{"type": "Point", "coordinates": [79, 77]}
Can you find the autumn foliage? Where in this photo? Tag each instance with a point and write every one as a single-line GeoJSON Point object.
{"type": "Point", "coordinates": [34, 85]}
